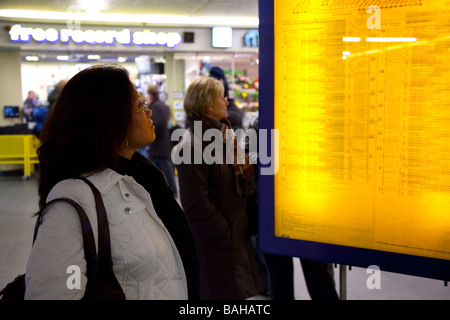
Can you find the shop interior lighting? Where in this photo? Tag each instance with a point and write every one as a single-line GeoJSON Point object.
{"type": "Point", "coordinates": [62, 58]}
{"type": "Point", "coordinates": [148, 19]}
{"type": "Point", "coordinates": [93, 57]}
{"type": "Point", "coordinates": [121, 59]}
{"type": "Point", "coordinates": [32, 58]}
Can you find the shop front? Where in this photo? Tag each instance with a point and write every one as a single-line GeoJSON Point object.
{"type": "Point", "coordinates": [169, 57]}
{"type": "Point", "coordinates": [37, 56]}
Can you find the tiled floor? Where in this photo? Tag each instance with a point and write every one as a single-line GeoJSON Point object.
{"type": "Point", "coordinates": [18, 202]}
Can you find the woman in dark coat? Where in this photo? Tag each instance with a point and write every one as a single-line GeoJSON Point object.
{"type": "Point", "coordinates": [214, 199]}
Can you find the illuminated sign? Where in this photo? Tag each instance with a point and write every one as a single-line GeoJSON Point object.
{"type": "Point", "coordinates": [222, 37]}
{"type": "Point", "coordinates": [95, 37]}
{"type": "Point", "coordinates": [251, 38]}
{"type": "Point", "coordinates": [360, 96]}
{"type": "Point", "coordinates": [364, 148]}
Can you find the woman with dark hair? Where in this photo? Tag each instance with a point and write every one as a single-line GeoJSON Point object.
{"type": "Point", "coordinates": [95, 127]}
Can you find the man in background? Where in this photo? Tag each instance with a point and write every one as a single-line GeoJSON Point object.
{"type": "Point", "coordinates": [160, 149]}
{"type": "Point", "coordinates": [28, 106]}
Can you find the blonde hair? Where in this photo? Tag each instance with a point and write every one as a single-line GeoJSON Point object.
{"type": "Point", "coordinates": [200, 94]}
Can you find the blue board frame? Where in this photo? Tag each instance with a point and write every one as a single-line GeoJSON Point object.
{"type": "Point", "coordinates": [386, 261]}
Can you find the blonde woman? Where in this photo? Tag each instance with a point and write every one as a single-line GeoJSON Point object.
{"type": "Point", "coordinates": [213, 197]}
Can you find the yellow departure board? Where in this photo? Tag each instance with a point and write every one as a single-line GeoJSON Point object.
{"type": "Point", "coordinates": [362, 105]}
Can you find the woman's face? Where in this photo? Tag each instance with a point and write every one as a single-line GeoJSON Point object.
{"type": "Point", "coordinates": [218, 110]}
{"type": "Point", "coordinates": [142, 128]}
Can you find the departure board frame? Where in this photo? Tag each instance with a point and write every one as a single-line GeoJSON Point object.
{"type": "Point", "coordinates": [387, 261]}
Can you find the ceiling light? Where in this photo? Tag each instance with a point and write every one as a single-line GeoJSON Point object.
{"type": "Point", "coordinates": [32, 58]}
{"type": "Point", "coordinates": [62, 58]}
{"type": "Point", "coordinates": [121, 59]}
{"type": "Point", "coordinates": [130, 18]}
{"type": "Point", "coordinates": [93, 7]}
{"type": "Point", "coordinates": [93, 57]}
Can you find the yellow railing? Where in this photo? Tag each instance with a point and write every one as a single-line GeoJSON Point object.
{"type": "Point", "coordinates": [19, 149]}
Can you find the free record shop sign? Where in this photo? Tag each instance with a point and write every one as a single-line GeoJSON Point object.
{"type": "Point", "coordinates": [18, 33]}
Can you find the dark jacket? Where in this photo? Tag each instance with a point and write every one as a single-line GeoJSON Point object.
{"type": "Point", "coordinates": [40, 115]}
{"type": "Point", "coordinates": [28, 107]}
{"type": "Point", "coordinates": [52, 97]}
{"type": "Point", "coordinates": [218, 221]}
{"type": "Point", "coordinates": [162, 146]}
{"type": "Point", "coordinates": [235, 115]}
{"type": "Point", "coordinates": [168, 209]}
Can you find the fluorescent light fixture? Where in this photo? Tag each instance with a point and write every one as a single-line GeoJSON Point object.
{"type": "Point", "coordinates": [32, 58]}
{"type": "Point", "coordinates": [391, 39]}
{"type": "Point", "coordinates": [121, 59]}
{"type": "Point", "coordinates": [351, 39]}
{"type": "Point", "coordinates": [346, 53]}
{"type": "Point", "coordinates": [93, 7]}
{"type": "Point", "coordinates": [93, 57]}
{"type": "Point", "coordinates": [62, 58]}
{"type": "Point", "coordinates": [148, 19]}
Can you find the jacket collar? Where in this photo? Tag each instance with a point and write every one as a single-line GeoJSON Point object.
{"type": "Point", "coordinates": [105, 179]}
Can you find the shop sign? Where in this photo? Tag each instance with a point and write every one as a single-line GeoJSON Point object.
{"type": "Point", "coordinates": [251, 38]}
{"type": "Point", "coordinates": [95, 37]}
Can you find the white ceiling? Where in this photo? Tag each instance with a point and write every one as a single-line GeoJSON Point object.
{"type": "Point", "coordinates": [190, 8]}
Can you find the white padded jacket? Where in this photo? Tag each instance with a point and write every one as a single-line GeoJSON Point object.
{"type": "Point", "coordinates": [145, 260]}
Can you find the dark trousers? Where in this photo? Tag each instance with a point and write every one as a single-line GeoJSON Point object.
{"type": "Point", "coordinates": [319, 278]}
{"type": "Point", "coordinates": [277, 274]}
{"type": "Point", "coordinates": [281, 276]}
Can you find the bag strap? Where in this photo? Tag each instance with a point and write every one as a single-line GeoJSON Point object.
{"type": "Point", "coordinates": [100, 260]}
{"type": "Point", "coordinates": [86, 229]}
{"type": "Point", "coordinates": [104, 260]}
{"type": "Point", "coordinates": [104, 243]}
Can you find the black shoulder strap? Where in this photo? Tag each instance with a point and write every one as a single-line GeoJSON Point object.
{"type": "Point", "coordinates": [104, 243]}
{"type": "Point", "coordinates": [104, 262]}
{"type": "Point", "coordinates": [101, 261]}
